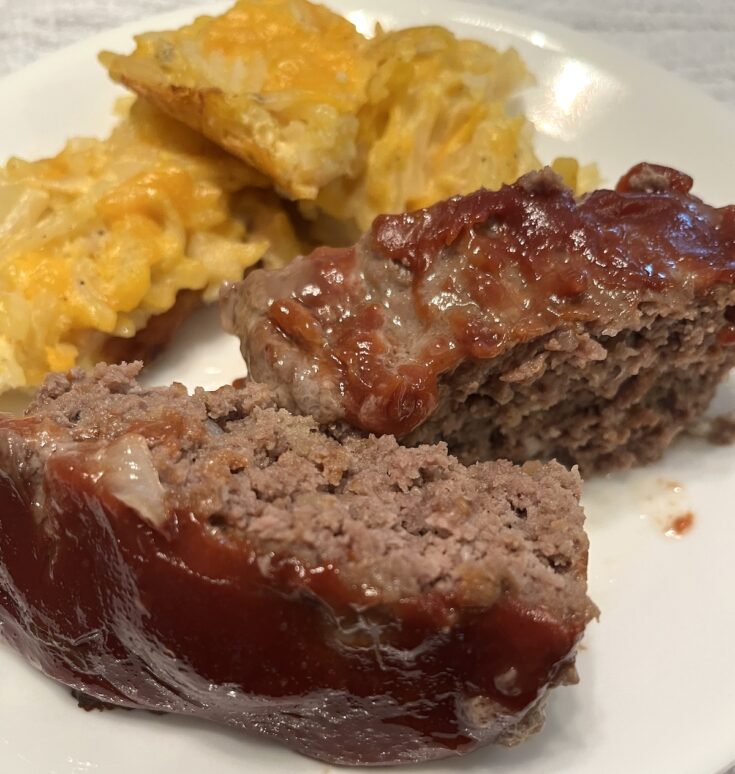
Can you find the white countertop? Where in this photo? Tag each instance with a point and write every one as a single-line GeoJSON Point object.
{"type": "Point", "coordinates": [694, 39]}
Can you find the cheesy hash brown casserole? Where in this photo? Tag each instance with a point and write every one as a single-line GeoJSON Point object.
{"type": "Point", "coordinates": [361, 126]}
{"type": "Point", "coordinates": [101, 238]}
{"type": "Point", "coordinates": [435, 124]}
{"type": "Point", "coordinates": [276, 82]}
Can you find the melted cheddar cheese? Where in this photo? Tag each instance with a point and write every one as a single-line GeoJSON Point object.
{"type": "Point", "coordinates": [102, 237]}
{"type": "Point", "coordinates": [276, 82]}
{"type": "Point", "coordinates": [435, 124]}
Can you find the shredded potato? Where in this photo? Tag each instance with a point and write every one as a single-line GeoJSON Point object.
{"type": "Point", "coordinates": [276, 82]}
{"type": "Point", "coordinates": [103, 236]}
{"type": "Point", "coordinates": [435, 124]}
{"type": "Point", "coordinates": [266, 218]}
{"type": "Point", "coordinates": [359, 126]}
{"type": "Point", "coordinates": [581, 179]}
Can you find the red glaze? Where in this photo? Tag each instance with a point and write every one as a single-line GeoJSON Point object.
{"type": "Point", "coordinates": [183, 620]}
{"type": "Point", "coordinates": [484, 272]}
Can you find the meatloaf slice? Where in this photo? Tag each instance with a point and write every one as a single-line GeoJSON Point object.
{"type": "Point", "coordinates": [215, 556]}
{"type": "Point", "coordinates": [513, 324]}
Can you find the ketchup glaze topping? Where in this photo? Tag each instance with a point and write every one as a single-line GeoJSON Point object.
{"type": "Point", "coordinates": [472, 276]}
{"type": "Point", "coordinates": [184, 620]}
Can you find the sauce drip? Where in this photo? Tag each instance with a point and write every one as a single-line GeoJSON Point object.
{"type": "Point", "coordinates": [680, 525]}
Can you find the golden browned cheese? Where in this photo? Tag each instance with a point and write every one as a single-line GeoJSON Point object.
{"type": "Point", "coordinates": [101, 238]}
{"type": "Point", "coordinates": [278, 83]}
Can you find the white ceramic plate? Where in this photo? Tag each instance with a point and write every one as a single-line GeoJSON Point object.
{"type": "Point", "coordinates": [658, 682]}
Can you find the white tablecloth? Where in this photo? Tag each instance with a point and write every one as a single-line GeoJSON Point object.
{"type": "Point", "coordinates": [695, 38]}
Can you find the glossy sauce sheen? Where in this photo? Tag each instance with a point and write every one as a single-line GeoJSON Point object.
{"type": "Point", "coordinates": [471, 277]}
{"type": "Point", "coordinates": [181, 620]}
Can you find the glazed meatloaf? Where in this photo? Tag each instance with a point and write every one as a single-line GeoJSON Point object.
{"type": "Point", "coordinates": [215, 556]}
{"type": "Point", "coordinates": [516, 324]}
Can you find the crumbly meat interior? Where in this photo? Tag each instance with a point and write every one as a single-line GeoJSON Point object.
{"type": "Point", "coordinates": [603, 397]}
{"type": "Point", "coordinates": [403, 521]}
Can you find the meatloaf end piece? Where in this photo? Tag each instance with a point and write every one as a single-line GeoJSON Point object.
{"type": "Point", "coordinates": [213, 555]}
{"type": "Point", "coordinates": [515, 324]}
